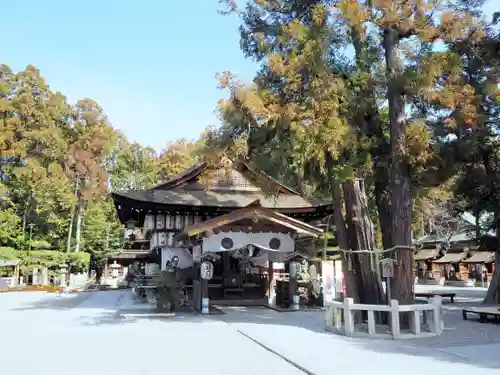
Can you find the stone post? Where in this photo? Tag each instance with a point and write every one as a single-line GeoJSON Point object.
{"type": "Point", "coordinates": [271, 296]}
{"type": "Point", "coordinates": [395, 327]}
{"type": "Point", "coordinates": [348, 317]}
{"type": "Point", "coordinates": [34, 279]}
{"type": "Point", "coordinates": [437, 323]}
{"type": "Point", "coordinates": [45, 276]}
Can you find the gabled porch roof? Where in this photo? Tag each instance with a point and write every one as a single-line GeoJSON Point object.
{"type": "Point", "coordinates": [252, 211]}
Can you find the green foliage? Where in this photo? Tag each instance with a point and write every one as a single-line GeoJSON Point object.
{"type": "Point", "coordinates": [58, 162]}
{"type": "Point", "coordinates": [51, 259]}
{"type": "Point", "coordinates": [170, 292]}
{"type": "Point", "coordinates": [9, 227]}
{"type": "Point", "coordinates": [7, 253]}
{"type": "Point", "coordinates": [103, 233]}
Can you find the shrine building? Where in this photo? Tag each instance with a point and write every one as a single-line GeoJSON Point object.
{"type": "Point", "coordinates": [245, 222]}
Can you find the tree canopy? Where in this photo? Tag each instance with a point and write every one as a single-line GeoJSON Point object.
{"type": "Point", "coordinates": [58, 163]}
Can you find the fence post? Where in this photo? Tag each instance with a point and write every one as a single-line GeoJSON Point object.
{"type": "Point", "coordinates": [329, 318]}
{"type": "Point", "coordinates": [437, 317]}
{"type": "Point", "coordinates": [372, 330]}
{"type": "Point", "coordinates": [348, 317]}
{"type": "Point", "coordinates": [395, 329]}
{"type": "Point", "coordinates": [415, 322]}
{"type": "Point", "coordinates": [337, 318]}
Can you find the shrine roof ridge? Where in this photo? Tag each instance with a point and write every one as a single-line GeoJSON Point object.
{"type": "Point", "coordinates": [253, 210]}
{"type": "Point", "coordinates": [219, 199]}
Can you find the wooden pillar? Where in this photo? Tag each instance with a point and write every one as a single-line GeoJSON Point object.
{"type": "Point", "coordinates": [464, 271]}
{"type": "Point", "coordinates": [436, 271]}
{"type": "Point", "coordinates": [292, 288]}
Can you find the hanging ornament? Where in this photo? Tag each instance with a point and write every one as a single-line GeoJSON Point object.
{"type": "Point", "coordinates": [349, 262]}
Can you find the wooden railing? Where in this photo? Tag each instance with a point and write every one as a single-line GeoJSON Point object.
{"type": "Point", "coordinates": [425, 319]}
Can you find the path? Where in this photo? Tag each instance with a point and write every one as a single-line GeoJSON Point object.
{"type": "Point", "coordinates": [84, 334]}
{"type": "Point", "coordinates": [89, 339]}
{"type": "Point", "coordinates": [465, 346]}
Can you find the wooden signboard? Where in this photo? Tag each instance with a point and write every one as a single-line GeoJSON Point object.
{"type": "Point", "coordinates": [387, 268]}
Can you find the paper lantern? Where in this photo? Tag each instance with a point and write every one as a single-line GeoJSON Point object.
{"type": "Point", "coordinates": [295, 269]}
{"type": "Point", "coordinates": [206, 270]}
{"type": "Point", "coordinates": [160, 221]}
{"type": "Point", "coordinates": [169, 222]}
{"type": "Point", "coordinates": [149, 222]}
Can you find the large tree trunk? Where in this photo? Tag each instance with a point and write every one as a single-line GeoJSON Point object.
{"type": "Point", "coordinates": [493, 294]}
{"type": "Point", "coordinates": [383, 201]}
{"type": "Point", "coordinates": [362, 237]}
{"type": "Point", "coordinates": [70, 229]}
{"type": "Point", "coordinates": [25, 214]}
{"type": "Point", "coordinates": [401, 200]}
{"type": "Point", "coordinates": [343, 240]}
{"type": "Point", "coordinates": [71, 221]}
{"type": "Point", "coordinates": [371, 126]}
{"type": "Point", "coordinates": [79, 219]}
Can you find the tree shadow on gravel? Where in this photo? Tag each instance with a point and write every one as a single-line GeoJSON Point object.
{"type": "Point", "coordinates": [280, 331]}
{"type": "Point", "coordinates": [54, 302]}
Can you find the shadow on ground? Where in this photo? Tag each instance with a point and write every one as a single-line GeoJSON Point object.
{"type": "Point", "coordinates": [308, 326]}
{"type": "Point", "coordinates": [263, 324]}
{"type": "Point", "coordinates": [54, 301]}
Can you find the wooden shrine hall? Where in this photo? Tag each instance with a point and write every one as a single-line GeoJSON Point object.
{"type": "Point", "coordinates": [225, 216]}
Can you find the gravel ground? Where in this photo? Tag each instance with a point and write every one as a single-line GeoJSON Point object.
{"type": "Point", "coordinates": [465, 347]}
{"type": "Point", "coordinates": [82, 334]}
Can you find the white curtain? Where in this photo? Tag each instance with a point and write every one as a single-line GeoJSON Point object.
{"type": "Point", "coordinates": [185, 257]}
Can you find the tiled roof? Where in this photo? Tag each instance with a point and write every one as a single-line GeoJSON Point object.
{"type": "Point", "coordinates": [212, 198]}
{"type": "Point", "coordinates": [481, 257]}
{"type": "Point", "coordinates": [452, 257]}
{"type": "Point", "coordinates": [426, 254]}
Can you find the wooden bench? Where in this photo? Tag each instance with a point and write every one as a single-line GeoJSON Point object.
{"type": "Point", "coordinates": [483, 313]}
{"type": "Point", "coordinates": [451, 296]}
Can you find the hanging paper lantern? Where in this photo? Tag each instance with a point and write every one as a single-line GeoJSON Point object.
{"type": "Point", "coordinates": [160, 221]}
{"type": "Point", "coordinates": [295, 268]}
{"type": "Point", "coordinates": [169, 221]}
{"type": "Point", "coordinates": [206, 270]}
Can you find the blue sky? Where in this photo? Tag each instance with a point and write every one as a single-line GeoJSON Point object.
{"type": "Point", "coordinates": [150, 64]}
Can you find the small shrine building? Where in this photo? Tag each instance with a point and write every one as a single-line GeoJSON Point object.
{"type": "Point", "coordinates": [457, 259]}
{"type": "Point", "coordinates": [246, 223]}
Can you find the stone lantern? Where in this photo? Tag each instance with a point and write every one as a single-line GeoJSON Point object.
{"type": "Point", "coordinates": [63, 269]}
{"type": "Point", "coordinates": [114, 273]}
{"type": "Point", "coordinates": [295, 260]}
